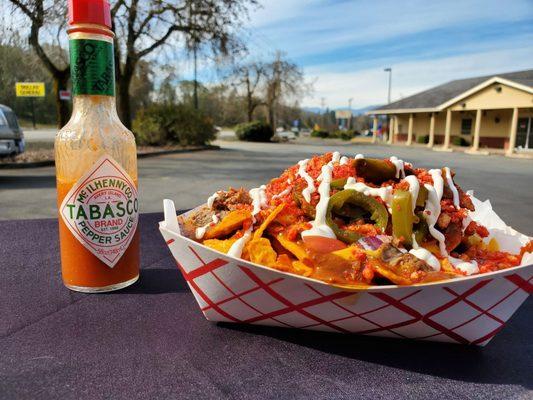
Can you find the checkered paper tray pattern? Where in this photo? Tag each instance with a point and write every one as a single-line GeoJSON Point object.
{"type": "Point", "coordinates": [470, 310]}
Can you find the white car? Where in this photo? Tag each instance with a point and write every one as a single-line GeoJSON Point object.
{"type": "Point", "coordinates": [283, 136]}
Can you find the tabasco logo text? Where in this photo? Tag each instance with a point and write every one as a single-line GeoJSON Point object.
{"type": "Point", "coordinates": [102, 210]}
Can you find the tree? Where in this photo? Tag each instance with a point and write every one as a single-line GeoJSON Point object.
{"type": "Point", "coordinates": [43, 13]}
{"type": "Point", "coordinates": [141, 28]}
{"type": "Point", "coordinates": [144, 26]}
{"type": "Point", "coordinates": [283, 80]}
{"type": "Point", "coordinates": [250, 77]}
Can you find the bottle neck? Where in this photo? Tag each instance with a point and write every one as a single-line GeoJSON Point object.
{"type": "Point", "coordinates": [92, 63]}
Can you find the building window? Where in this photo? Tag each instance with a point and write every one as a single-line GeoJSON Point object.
{"type": "Point", "coordinates": [466, 126]}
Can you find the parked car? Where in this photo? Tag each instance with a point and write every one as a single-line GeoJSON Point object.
{"type": "Point", "coordinates": [11, 136]}
{"type": "Point", "coordinates": [283, 136]}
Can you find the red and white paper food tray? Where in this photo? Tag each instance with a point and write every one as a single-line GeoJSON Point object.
{"type": "Point", "coordinates": [469, 310]}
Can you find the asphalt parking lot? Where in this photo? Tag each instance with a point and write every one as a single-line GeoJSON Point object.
{"type": "Point", "coordinates": [189, 178]}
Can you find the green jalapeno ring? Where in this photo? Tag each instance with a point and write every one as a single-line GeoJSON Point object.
{"type": "Point", "coordinates": [378, 212]}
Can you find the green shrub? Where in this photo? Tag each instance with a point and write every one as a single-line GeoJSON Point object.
{"type": "Point", "coordinates": [162, 124]}
{"type": "Point", "coordinates": [460, 141]}
{"type": "Point", "coordinates": [344, 135]}
{"type": "Point", "coordinates": [320, 134]}
{"type": "Point", "coordinates": [255, 131]}
{"type": "Point", "coordinates": [422, 139]}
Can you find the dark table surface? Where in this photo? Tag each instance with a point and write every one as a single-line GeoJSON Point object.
{"type": "Point", "coordinates": [151, 341]}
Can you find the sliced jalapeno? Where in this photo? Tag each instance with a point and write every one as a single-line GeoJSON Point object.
{"type": "Point", "coordinates": [378, 212]}
{"type": "Point", "coordinates": [402, 216]}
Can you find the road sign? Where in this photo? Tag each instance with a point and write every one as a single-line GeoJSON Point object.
{"type": "Point", "coordinates": [30, 89]}
{"type": "Point", "coordinates": [343, 114]}
{"type": "Point", "coordinates": [64, 95]}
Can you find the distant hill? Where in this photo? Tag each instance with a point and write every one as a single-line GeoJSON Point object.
{"type": "Point", "coordinates": [355, 111]}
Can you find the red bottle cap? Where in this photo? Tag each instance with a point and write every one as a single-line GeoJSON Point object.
{"type": "Point", "coordinates": [89, 12]}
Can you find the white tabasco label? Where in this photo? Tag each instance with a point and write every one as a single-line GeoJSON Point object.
{"type": "Point", "coordinates": [101, 210]}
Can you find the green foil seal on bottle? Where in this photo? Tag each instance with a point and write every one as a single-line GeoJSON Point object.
{"type": "Point", "coordinates": [92, 67]}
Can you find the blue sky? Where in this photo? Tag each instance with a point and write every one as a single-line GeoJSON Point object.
{"type": "Point", "coordinates": [343, 46]}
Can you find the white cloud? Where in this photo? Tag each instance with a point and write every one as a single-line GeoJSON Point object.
{"type": "Point", "coordinates": [369, 86]}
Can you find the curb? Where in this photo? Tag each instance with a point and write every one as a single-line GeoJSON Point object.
{"type": "Point", "coordinates": [51, 163]}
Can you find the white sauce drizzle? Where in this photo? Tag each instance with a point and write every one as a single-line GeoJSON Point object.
{"type": "Point", "coordinates": [432, 209]}
{"type": "Point", "coordinates": [359, 156]}
{"type": "Point", "coordinates": [385, 192]}
{"type": "Point", "coordinates": [319, 226]}
{"type": "Point", "coordinates": [426, 256]}
{"type": "Point", "coordinates": [237, 247]}
{"type": "Point", "coordinates": [449, 180]}
{"type": "Point", "coordinates": [211, 199]}
{"type": "Point", "coordinates": [200, 232]}
{"type": "Point", "coordinates": [259, 200]}
{"type": "Point", "coordinates": [468, 268]}
{"type": "Point", "coordinates": [335, 157]}
{"type": "Point", "coordinates": [306, 193]}
{"type": "Point", "coordinates": [343, 160]}
{"type": "Point", "coordinates": [414, 188]}
{"type": "Point", "coordinates": [399, 164]}
{"type": "Point", "coordinates": [283, 193]}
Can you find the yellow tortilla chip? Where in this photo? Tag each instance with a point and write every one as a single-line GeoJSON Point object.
{"type": "Point", "coordinates": [220, 245]}
{"type": "Point", "coordinates": [293, 247]}
{"type": "Point", "coordinates": [349, 253]}
{"type": "Point", "coordinates": [259, 232]}
{"type": "Point", "coordinates": [260, 251]}
{"type": "Point", "coordinates": [302, 269]}
{"type": "Point", "coordinates": [229, 224]}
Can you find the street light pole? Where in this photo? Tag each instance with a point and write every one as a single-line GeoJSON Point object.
{"type": "Point", "coordinates": [389, 70]}
{"type": "Point", "coordinates": [349, 122]}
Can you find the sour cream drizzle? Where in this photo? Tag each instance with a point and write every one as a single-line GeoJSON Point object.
{"type": "Point", "coordinates": [259, 200]}
{"type": "Point", "coordinates": [200, 231]}
{"type": "Point", "coordinates": [414, 188]}
{"type": "Point", "coordinates": [451, 185]}
{"type": "Point", "coordinates": [399, 164]}
{"type": "Point", "coordinates": [468, 268]}
{"type": "Point", "coordinates": [359, 156]}
{"type": "Point", "coordinates": [310, 183]}
{"type": "Point", "coordinates": [319, 226]}
{"type": "Point", "coordinates": [425, 255]}
{"type": "Point", "coordinates": [432, 209]}
{"type": "Point", "coordinates": [385, 192]}
{"type": "Point", "coordinates": [343, 160]}
{"type": "Point", "coordinates": [211, 199]}
{"type": "Point", "coordinates": [283, 193]}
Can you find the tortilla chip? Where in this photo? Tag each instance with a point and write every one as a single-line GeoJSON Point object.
{"type": "Point", "coordinates": [302, 269]}
{"type": "Point", "coordinates": [260, 251]}
{"type": "Point", "coordinates": [259, 232]}
{"type": "Point", "coordinates": [293, 247]}
{"type": "Point", "coordinates": [229, 224]}
{"type": "Point", "coordinates": [220, 245]}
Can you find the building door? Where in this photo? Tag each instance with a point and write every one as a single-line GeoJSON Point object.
{"type": "Point", "coordinates": [524, 133]}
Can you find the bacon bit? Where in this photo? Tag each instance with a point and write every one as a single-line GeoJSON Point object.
{"type": "Point", "coordinates": [474, 227]}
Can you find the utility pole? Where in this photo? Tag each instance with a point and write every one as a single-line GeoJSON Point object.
{"type": "Point", "coordinates": [322, 109]}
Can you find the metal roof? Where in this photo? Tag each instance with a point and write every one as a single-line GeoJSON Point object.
{"type": "Point", "coordinates": [438, 95]}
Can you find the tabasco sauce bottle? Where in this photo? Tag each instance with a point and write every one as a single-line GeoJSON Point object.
{"type": "Point", "coordinates": [96, 164]}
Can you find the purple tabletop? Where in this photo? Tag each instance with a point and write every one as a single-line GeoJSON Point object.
{"type": "Point", "coordinates": [151, 341]}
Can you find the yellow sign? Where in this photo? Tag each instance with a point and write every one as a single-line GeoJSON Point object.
{"type": "Point", "coordinates": [30, 89]}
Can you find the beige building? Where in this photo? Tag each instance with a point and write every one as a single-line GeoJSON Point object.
{"type": "Point", "coordinates": [489, 112]}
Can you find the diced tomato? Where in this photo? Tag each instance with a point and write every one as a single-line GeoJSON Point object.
{"type": "Point", "coordinates": [321, 244]}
